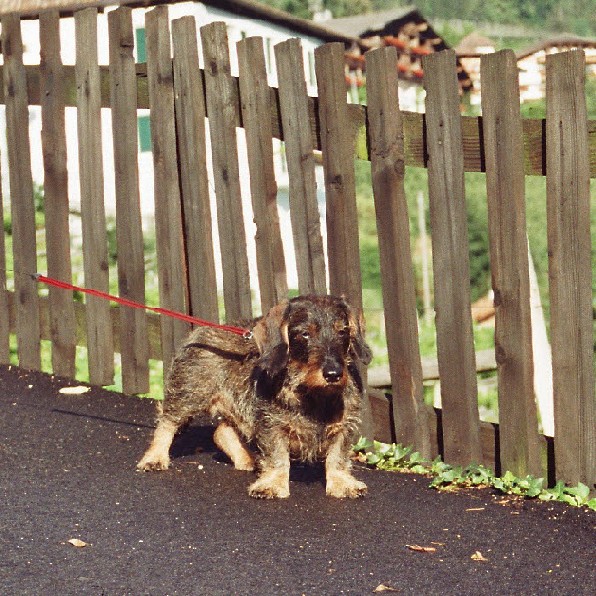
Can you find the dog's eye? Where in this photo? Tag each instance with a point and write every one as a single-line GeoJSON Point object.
{"type": "Point", "coordinates": [345, 331]}
{"type": "Point", "coordinates": [305, 335]}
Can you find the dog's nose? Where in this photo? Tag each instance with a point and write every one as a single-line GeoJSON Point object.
{"type": "Point", "coordinates": [332, 373]}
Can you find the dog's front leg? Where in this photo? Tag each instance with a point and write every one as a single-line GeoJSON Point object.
{"type": "Point", "coordinates": [339, 479]}
{"type": "Point", "coordinates": [274, 477]}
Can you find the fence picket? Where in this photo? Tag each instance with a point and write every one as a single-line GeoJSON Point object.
{"type": "Point", "coordinates": [168, 210]}
{"type": "Point", "coordinates": [337, 144]}
{"type": "Point", "coordinates": [255, 101]}
{"type": "Point", "coordinates": [298, 137]}
{"type": "Point", "coordinates": [570, 271]}
{"type": "Point", "coordinates": [53, 141]}
{"type": "Point", "coordinates": [4, 308]}
{"type": "Point", "coordinates": [189, 105]}
{"type": "Point", "coordinates": [222, 99]}
{"type": "Point", "coordinates": [505, 181]}
{"type": "Point", "coordinates": [100, 346]}
{"type": "Point", "coordinates": [343, 249]}
{"type": "Point", "coordinates": [134, 345]}
{"type": "Point", "coordinates": [385, 129]}
{"type": "Point", "coordinates": [455, 340]}
{"type": "Point", "coordinates": [21, 195]}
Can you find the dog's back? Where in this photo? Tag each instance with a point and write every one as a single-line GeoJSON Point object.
{"type": "Point", "coordinates": [211, 375]}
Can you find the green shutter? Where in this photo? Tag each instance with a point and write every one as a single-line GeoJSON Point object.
{"type": "Point", "coordinates": [144, 125]}
{"type": "Point", "coordinates": [141, 45]}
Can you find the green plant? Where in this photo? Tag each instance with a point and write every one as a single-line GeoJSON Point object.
{"type": "Point", "coordinates": [394, 457]}
{"type": "Point", "coordinates": [523, 487]}
{"type": "Point", "coordinates": [391, 457]}
{"type": "Point", "coordinates": [572, 495]}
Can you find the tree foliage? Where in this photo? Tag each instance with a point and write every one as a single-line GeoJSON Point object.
{"type": "Point", "coordinates": [572, 16]}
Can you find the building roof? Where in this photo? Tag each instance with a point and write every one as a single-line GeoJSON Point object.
{"type": "Point", "coordinates": [373, 23]}
{"type": "Point", "coordinates": [472, 43]}
{"type": "Point", "coordinates": [246, 8]}
{"type": "Point", "coordinates": [560, 41]}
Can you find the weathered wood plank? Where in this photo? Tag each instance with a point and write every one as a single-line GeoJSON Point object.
{"type": "Point", "coordinates": [189, 105]}
{"type": "Point", "coordinates": [414, 148]}
{"type": "Point", "coordinates": [379, 376]}
{"type": "Point", "coordinates": [53, 142]}
{"type": "Point", "coordinates": [4, 315]}
{"type": "Point", "coordinates": [304, 212]}
{"type": "Point", "coordinates": [255, 101]}
{"type": "Point", "coordinates": [168, 210]}
{"type": "Point", "coordinates": [337, 143]}
{"type": "Point", "coordinates": [21, 195]}
{"type": "Point", "coordinates": [399, 297]}
{"type": "Point", "coordinates": [451, 270]}
{"type": "Point", "coordinates": [222, 99]}
{"type": "Point", "coordinates": [343, 249]}
{"type": "Point", "coordinates": [505, 181]}
{"type": "Point", "coordinates": [129, 232]}
{"type": "Point", "coordinates": [95, 250]}
{"type": "Point", "coordinates": [570, 270]}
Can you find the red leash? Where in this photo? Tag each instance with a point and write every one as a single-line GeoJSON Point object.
{"type": "Point", "coordinates": [246, 333]}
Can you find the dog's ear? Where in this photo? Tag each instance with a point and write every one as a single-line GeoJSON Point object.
{"type": "Point", "coordinates": [359, 349]}
{"type": "Point", "coordinates": [271, 336]}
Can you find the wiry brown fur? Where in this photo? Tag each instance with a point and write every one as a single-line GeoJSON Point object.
{"type": "Point", "coordinates": [294, 389]}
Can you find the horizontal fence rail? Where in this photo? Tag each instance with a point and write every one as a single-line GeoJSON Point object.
{"type": "Point", "coordinates": [195, 114]}
{"type": "Point", "coordinates": [534, 132]}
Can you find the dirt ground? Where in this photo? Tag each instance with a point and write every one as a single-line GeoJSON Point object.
{"type": "Point", "coordinates": [67, 474]}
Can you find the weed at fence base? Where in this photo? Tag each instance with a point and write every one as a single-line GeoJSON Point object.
{"type": "Point", "coordinates": [397, 458]}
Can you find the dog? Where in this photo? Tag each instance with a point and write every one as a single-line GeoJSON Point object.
{"type": "Point", "coordinates": [294, 389]}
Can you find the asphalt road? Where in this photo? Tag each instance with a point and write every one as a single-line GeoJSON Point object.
{"type": "Point", "coordinates": [67, 471]}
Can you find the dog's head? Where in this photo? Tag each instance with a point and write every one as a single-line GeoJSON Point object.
{"type": "Point", "coordinates": [315, 338]}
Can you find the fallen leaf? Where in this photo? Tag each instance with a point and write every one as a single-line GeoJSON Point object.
{"type": "Point", "coordinates": [78, 390]}
{"type": "Point", "coordinates": [421, 549]}
{"type": "Point", "coordinates": [78, 543]}
{"type": "Point", "coordinates": [477, 556]}
{"type": "Point", "coordinates": [384, 588]}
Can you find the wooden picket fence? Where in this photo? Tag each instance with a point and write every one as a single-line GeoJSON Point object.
{"type": "Point", "coordinates": [180, 95]}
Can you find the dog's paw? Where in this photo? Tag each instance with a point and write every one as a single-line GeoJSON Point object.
{"type": "Point", "coordinates": [270, 486]}
{"type": "Point", "coordinates": [153, 463]}
{"type": "Point", "coordinates": [245, 464]}
{"type": "Point", "coordinates": [342, 486]}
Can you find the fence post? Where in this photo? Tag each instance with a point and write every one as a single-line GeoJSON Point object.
{"type": "Point", "coordinates": [338, 146]}
{"type": "Point", "coordinates": [28, 325]}
{"type": "Point", "coordinates": [189, 104]}
{"type": "Point", "coordinates": [385, 129]}
{"type": "Point", "coordinates": [570, 271]}
{"type": "Point", "coordinates": [134, 343]}
{"type": "Point", "coordinates": [168, 215]}
{"type": "Point", "coordinates": [255, 102]}
{"type": "Point", "coordinates": [451, 272]}
{"type": "Point", "coordinates": [298, 137]}
{"type": "Point", "coordinates": [222, 104]}
{"type": "Point", "coordinates": [505, 182]}
{"type": "Point", "coordinates": [100, 347]}
{"type": "Point", "coordinates": [343, 251]}
{"type": "Point", "coordinates": [55, 188]}
{"type": "Point", "coordinates": [4, 312]}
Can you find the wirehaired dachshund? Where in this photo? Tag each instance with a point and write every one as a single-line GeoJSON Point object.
{"type": "Point", "coordinates": [294, 389]}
